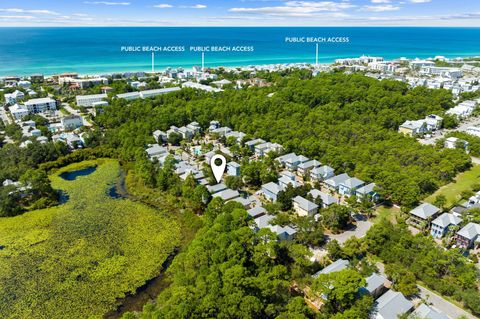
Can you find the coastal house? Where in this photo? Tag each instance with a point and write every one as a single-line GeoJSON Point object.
{"type": "Point", "coordinates": [338, 265]}
{"type": "Point", "coordinates": [156, 151]}
{"type": "Point", "coordinates": [283, 232]}
{"type": "Point", "coordinates": [413, 128]}
{"type": "Point", "coordinates": [19, 111]}
{"type": "Point", "coordinates": [12, 98]}
{"type": "Point", "coordinates": [221, 131]}
{"type": "Point", "coordinates": [71, 122]}
{"type": "Point", "coordinates": [256, 212]}
{"type": "Point", "coordinates": [326, 199]}
{"type": "Point", "coordinates": [41, 105]}
{"type": "Point", "coordinates": [376, 285]}
{"type": "Point", "coordinates": [238, 136]}
{"type": "Point", "coordinates": [305, 167]}
{"type": "Point", "coordinates": [129, 96]}
{"type": "Point", "coordinates": [427, 312]}
{"type": "Point", "coordinates": [322, 173]}
{"type": "Point", "coordinates": [265, 148]}
{"type": "Point", "coordinates": [469, 236]}
{"type": "Point", "coordinates": [160, 136]}
{"type": "Point", "coordinates": [233, 169]}
{"type": "Point", "coordinates": [434, 122]}
{"type": "Point", "coordinates": [454, 142]}
{"type": "Point", "coordinates": [391, 305]}
{"type": "Point", "coordinates": [213, 189]}
{"type": "Point", "coordinates": [368, 191]}
{"type": "Point", "coordinates": [89, 100]}
{"type": "Point", "coordinates": [227, 194]}
{"type": "Point", "coordinates": [422, 215]}
{"type": "Point", "coordinates": [334, 182]}
{"type": "Point", "coordinates": [251, 144]}
{"type": "Point", "coordinates": [285, 180]}
{"type": "Point", "coordinates": [304, 207]}
{"type": "Point", "coordinates": [350, 186]}
{"type": "Point", "coordinates": [442, 223]}
{"type": "Point", "coordinates": [271, 190]}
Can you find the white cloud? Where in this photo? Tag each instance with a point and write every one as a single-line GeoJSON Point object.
{"type": "Point", "coordinates": [197, 6]}
{"type": "Point", "coordinates": [298, 8]}
{"type": "Point", "coordinates": [380, 1]}
{"type": "Point", "coordinates": [17, 10]}
{"type": "Point", "coordinates": [381, 8]}
{"type": "Point", "coordinates": [108, 3]}
{"type": "Point", "coordinates": [16, 17]}
{"type": "Point", "coordinates": [163, 6]}
{"type": "Point", "coordinates": [420, 1]}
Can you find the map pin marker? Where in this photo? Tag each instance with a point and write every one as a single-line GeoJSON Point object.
{"type": "Point", "coordinates": [217, 167]}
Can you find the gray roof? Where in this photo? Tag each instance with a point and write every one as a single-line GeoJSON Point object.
{"type": "Point", "coordinates": [233, 164]}
{"type": "Point", "coordinates": [425, 211]}
{"type": "Point", "coordinates": [305, 204]}
{"type": "Point", "coordinates": [337, 180]}
{"type": "Point", "coordinates": [155, 150]}
{"type": "Point", "coordinates": [216, 188]}
{"type": "Point", "coordinates": [367, 189]}
{"type": "Point", "coordinates": [264, 222]}
{"type": "Point", "coordinates": [353, 182]}
{"type": "Point", "coordinates": [470, 231]}
{"type": "Point", "coordinates": [392, 304]}
{"type": "Point", "coordinates": [374, 282]}
{"type": "Point", "coordinates": [338, 265]}
{"type": "Point", "coordinates": [312, 163]}
{"type": "Point", "coordinates": [323, 170]}
{"type": "Point", "coordinates": [256, 211]}
{"type": "Point", "coordinates": [227, 194]}
{"type": "Point", "coordinates": [446, 220]}
{"type": "Point", "coordinates": [273, 187]}
{"type": "Point", "coordinates": [426, 312]}
{"type": "Point", "coordinates": [244, 201]}
{"type": "Point", "coordinates": [255, 142]}
{"type": "Point", "coordinates": [326, 198]}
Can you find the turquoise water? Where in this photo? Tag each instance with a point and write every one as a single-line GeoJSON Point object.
{"type": "Point", "coordinates": [24, 51]}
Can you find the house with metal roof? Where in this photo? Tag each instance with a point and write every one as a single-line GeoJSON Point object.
{"type": "Point", "coordinates": [227, 194]}
{"type": "Point", "coordinates": [304, 207]}
{"type": "Point", "coordinates": [368, 191]}
{"type": "Point", "coordinates": [305, 167]}
{"type": "Point", "coordinates": [334, 182]}
{"type": "Point", "coordinates": [283, 232]}
{"type": "Point", "coordinates": [338, 265]}
{"type": "Point", "coordinates": [422, 215]}
{"type": "Point", "coordinates": [442, 223]}
{"type": "Point", "coordinates": [428, 312]}
{"type": "Point", "coordinates": [376, 285]}
{"type": "Point", "coordinates": [391, 305]}
{"type": "Point", "coordinates": [322, 173]}
{"type": "Point", "coordinates": [271, 190]}
{"type": "Point", "coordinates": [468, 236]}
{"type": "Point", "coordinates": [327, 199]}
{"type": "Point", "coordinates": [350, 186]}
{"type": "Point", "coordinates": [256, 212]}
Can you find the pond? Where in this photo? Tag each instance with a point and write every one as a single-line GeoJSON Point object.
{"type": "Point", "coordinates": [72, 175]}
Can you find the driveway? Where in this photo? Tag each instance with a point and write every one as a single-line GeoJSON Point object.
{"type": "Point", "coordinates": [359, 230]}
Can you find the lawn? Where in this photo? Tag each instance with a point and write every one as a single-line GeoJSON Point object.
{"type": "Point", "coordinates": [389, 213]}
{"type": "Point", "coordinates": [452, 191]}
{"type": "Point", "coordinates": [75, 260]}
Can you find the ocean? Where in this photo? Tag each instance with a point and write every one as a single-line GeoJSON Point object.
{"type": "Point", "coordinates": [86, 50]}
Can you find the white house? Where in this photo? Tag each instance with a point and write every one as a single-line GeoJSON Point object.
{"type": "Point", "coordinates": [89, 100]}
{"type": "Point", "coordinates": [41, 105]}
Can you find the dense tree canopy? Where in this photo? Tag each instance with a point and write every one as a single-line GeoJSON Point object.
{"type": "Point", "coordinates": [346, 121]}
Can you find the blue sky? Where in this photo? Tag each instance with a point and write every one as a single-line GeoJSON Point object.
{"type": "Point", "coordinates": [240, 13]}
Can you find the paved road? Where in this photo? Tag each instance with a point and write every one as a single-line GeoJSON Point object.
{"type": "Point", "coordinates": [436, 300]}
{"type": "Point", "coordinates": [4, 116]}
{"type": "Point", "coordinates": [359, 231]}
{"type": "Point", "coordinates": [463, 126]}
{"type": "Point", "coordinates": [443, 305]}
